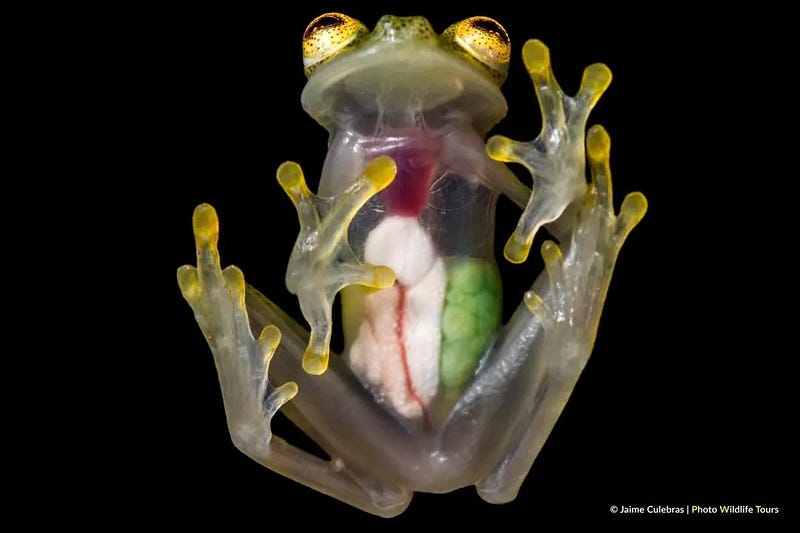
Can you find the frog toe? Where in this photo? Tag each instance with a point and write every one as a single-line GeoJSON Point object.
{"type": "Point", "coordinates": [595, 81]}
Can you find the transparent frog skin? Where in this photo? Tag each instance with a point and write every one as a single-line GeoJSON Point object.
{"type": "Point", "coordinates": [432, 392]}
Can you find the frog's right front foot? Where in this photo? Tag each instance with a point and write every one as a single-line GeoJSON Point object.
{"type": "Point", "coordinates": [322, 262]}
{"type": "Point", "coordinates": [217, 298]}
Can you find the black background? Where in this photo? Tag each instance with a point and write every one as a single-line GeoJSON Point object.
{"type": "Point", "coordinates": [684, 400]}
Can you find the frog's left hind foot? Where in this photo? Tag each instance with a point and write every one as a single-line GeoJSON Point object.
{"type": "Point", "coordinates": [568, 310]}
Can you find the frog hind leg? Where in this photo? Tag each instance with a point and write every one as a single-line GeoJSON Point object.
{"type": "Point", "coordinates": [560, 319]}
{"type": "Point", "coordinates": [220, 301]}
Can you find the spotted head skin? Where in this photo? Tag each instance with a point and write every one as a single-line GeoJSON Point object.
{"type": "Point", "coordinates": [399, 29]}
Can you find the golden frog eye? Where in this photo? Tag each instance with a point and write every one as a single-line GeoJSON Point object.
{"type": "Point", "coordinates": [327, 36]}
{"type": "Point", "coordinates": [482, 41]}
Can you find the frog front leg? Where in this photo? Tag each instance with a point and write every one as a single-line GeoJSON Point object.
{"type": "Point", "coordinates": [555, 158]}
{"type": "Point", "coordinates": [220, 301]}
{"type": "Point", "coordinates": [322, 262]}
{"type": "Point", "coordinates": [560, 327]}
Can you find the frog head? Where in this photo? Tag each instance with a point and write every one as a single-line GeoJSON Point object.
{"type": "Point", "coordinates": [403, 72]}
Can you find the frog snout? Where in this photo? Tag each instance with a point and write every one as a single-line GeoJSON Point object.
{"type": "Point", "coordinates": [391, 29]}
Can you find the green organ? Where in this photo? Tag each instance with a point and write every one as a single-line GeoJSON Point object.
{"type": "Point", "coordinates": [471, 314]}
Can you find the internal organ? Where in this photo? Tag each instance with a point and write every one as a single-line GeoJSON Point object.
{"type": "Point", "coordinates": [416, 153]}
{"type": "Point", "coordinates": [396, 349]}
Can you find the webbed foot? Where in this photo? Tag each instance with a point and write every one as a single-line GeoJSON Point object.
{"type": "Point", "coordinates": [569, 311]}
{"type": "Point", "coordinates": [217, 298]}
{"type": "Point", "coordinates": [322, 262]}
{"type": "Point", "coordinates": [555, 158]}
{"type": "Point", "coordinates": [579, 280]}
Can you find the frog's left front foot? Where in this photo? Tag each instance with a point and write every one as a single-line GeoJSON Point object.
{"type": "Point", "coordinates": [555, 158]}
{"type": "Point", "coordinates": [322, 262]}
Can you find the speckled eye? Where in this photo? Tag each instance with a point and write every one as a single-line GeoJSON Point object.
{"type": "Point", "coordinates": [327, 36]}
{"type": "Point", "coordinates": [482, 41]}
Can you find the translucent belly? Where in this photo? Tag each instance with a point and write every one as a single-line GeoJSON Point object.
{"type": "Point", "coordinates": [421, 340]}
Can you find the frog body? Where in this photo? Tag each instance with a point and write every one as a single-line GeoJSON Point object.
{"type": "Point", "coordinates": [432, 392]}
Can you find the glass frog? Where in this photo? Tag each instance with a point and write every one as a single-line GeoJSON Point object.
{"type": "Point", "coordinates": [432, 392]}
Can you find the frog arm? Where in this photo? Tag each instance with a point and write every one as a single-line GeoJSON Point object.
{"type": "Point", "coordinates": [555, 158]}
{"type": "Point", "coordinates": [322, 262]}
{"type": "Point", "coordinates": [560, 325]}
{"type": "Point", "coordinates": [506, 182]}
{"type": "Point", "coordinates": [220, 301]}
